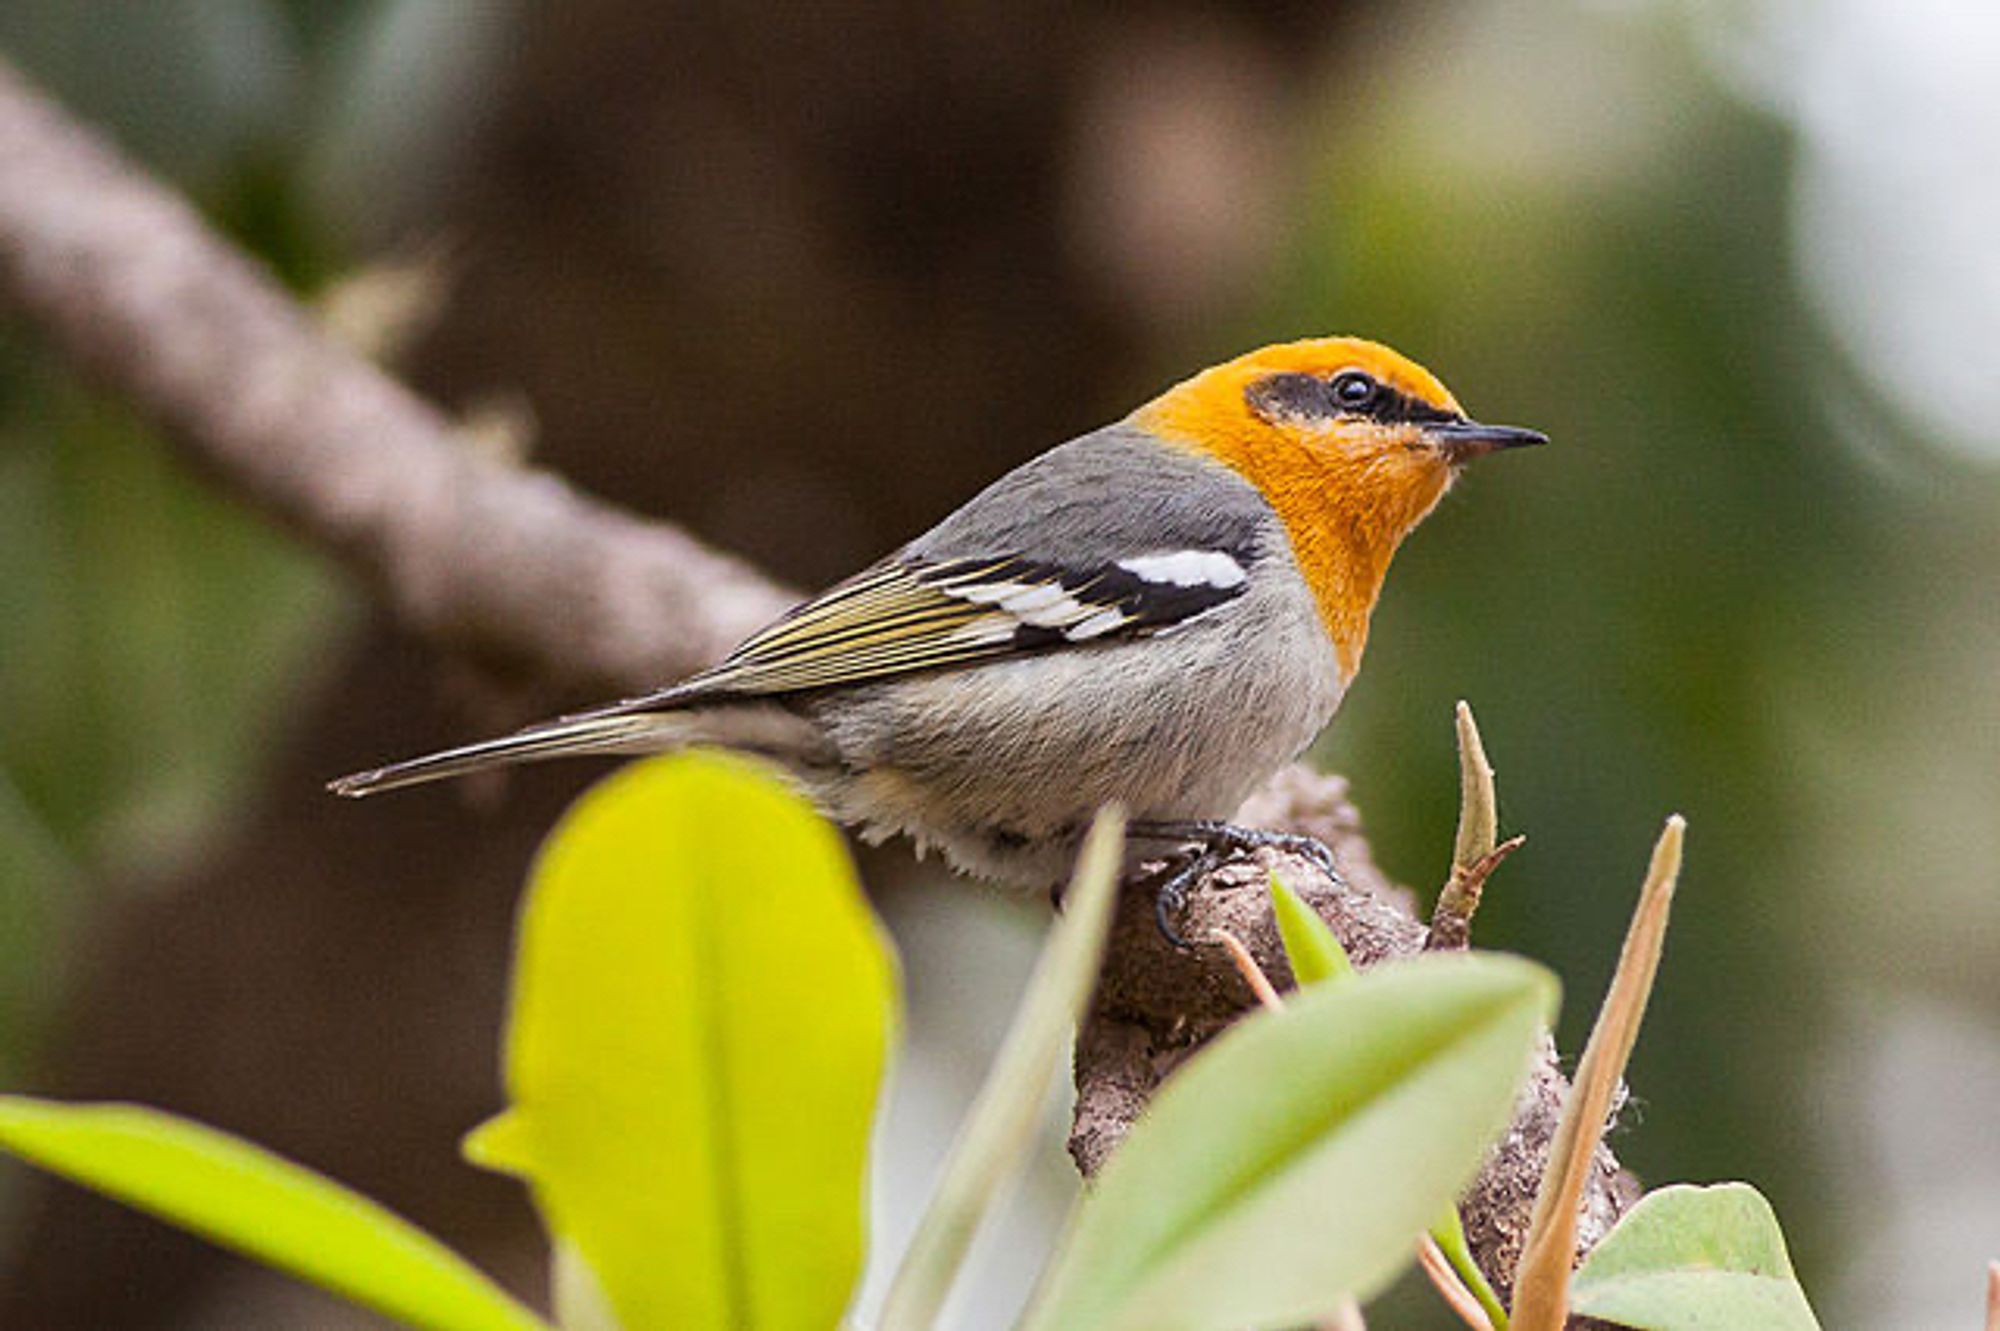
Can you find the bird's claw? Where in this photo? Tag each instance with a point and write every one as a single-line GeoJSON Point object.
{"type": "Point", "coordinates": [1171, 896]}
{"type": "Point", "coordinates": [1219, 842]}
{"type": "Point", "coordinates": [1310, 848]}
{"type": "Point", "coordinates": [1167, 903]}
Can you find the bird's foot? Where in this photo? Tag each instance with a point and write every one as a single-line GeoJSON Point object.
{"type": "Point", "coordinates": [1215, 843]}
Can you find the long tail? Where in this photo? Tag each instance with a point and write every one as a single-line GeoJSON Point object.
{"type": "Point", "coordinates": [627, 733]}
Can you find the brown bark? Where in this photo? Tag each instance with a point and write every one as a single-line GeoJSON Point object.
{"type": "Point", "coordinates": [1157, 1005]}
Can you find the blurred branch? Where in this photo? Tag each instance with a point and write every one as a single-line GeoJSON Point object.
{"type": "Point", "coordinates": [509, 566]}
{"type": "Point", "coordinates": [517, 570]}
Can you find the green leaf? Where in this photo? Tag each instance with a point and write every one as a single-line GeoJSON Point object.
{"type": "Point", "coordinates": [1295, 1160]}
{"type": "Point", "coordinates": [994, 1141]}
{"type": "Point", "coordinates": [1316, 956]}
{"type": "Point", "coordinates": [1690, 1258]}
{"type": "Point", "coordinates": [1449, 1232]}
{"type": "Point", "coordinates": [1310, 945]}
{"type": "Point", "coordinates": [245, 1198]}
{"type": "Point", "coordinates": [703, 1006]}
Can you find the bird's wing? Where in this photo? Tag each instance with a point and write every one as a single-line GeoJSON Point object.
{"type": "Point", "coordinates": [1040, 560]}
{"type": "Point", "coordinates": [909, 613]}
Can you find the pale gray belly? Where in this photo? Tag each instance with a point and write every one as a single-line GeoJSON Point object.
{"type": "Point", "coordinates": [1000, 765]}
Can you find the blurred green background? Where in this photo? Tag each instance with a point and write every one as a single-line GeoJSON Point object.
{"type": "Point", "coordinates": [804, 280]}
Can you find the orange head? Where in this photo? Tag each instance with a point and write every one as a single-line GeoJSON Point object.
{"type": "Point", "coordinates": [1352, 445]}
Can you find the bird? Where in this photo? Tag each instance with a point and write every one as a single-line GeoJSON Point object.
{"type": "Point", "coordinates": [1159, 614]}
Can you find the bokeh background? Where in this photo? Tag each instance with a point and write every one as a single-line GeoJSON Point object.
{"type": "Point", "coordinates": [802, 277]}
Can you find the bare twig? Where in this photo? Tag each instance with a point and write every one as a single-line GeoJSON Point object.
{"type": "Point", "coordinates": [1541, 1285]}
{"type": "Point", "coordinates": [1253, 974]}
{"type": "Point", "coordinates": [1451, 922]}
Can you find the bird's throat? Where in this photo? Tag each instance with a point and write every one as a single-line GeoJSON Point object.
{"type": "Point", "coordinates": [1345, 508]}
{"type": "Point", "coordinates": [1344, 549]}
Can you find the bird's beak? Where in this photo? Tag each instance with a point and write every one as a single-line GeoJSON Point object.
{"type": "Point", "coordinates": [1460, 441]}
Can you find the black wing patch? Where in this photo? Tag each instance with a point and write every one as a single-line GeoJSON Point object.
{"type": "Point", "coordinates": [904, 615]}
{"type": "Point", "coordinates": [1033, 604]}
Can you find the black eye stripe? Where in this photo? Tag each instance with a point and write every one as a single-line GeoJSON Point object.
{"type": "Point", "coordinates": [1403, 407]}
{"type": "Point", "coordinates": [1310, 397]}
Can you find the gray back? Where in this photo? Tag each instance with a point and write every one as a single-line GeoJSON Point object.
{"type": "Point", "coordinates": [1106, 496]}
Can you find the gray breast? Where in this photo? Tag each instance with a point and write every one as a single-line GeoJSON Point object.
{"type": "Point", "coordinates": [1000, 764]}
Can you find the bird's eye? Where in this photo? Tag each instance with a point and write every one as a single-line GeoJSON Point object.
{"type": "Point", "coordinates": [1354, 390]}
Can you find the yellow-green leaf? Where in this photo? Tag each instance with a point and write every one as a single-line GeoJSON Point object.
{"type": "Point", "coordinates": [1294, 1161]}
{"type": "Point", "coordinates": [1310, 946]}
{"type": "Point", "coordinates": [1688, 1258]}
{"type": "Point", "coordinates": [703, 1005]}
{"type": "Point", "coordinates": [243, 1197]}
{"type": "Point", "coordinates": [1316, 956]}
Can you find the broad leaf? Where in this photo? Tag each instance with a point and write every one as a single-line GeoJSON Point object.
{"type": "Point", "coordinates": [703, 1005]}
{"type": "Point", "coordinates": [245, 1198]}
{"type": "Point", "coordinates": [1691, 1258]}
{"type": "Point", "coordinates": [1295, 1161]}
{"type": "Point", "coordinates": [1316, 956]}
{"type": "Point", "coordinates": [1001, 1126]}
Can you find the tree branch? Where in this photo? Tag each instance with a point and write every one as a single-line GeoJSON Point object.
{"type": "Point", "coordinates": [510, 566]}
{"type": "Point", "coordinates": [1157, 1005]}
{"type": "Point", "coordinates": [516, 569]}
